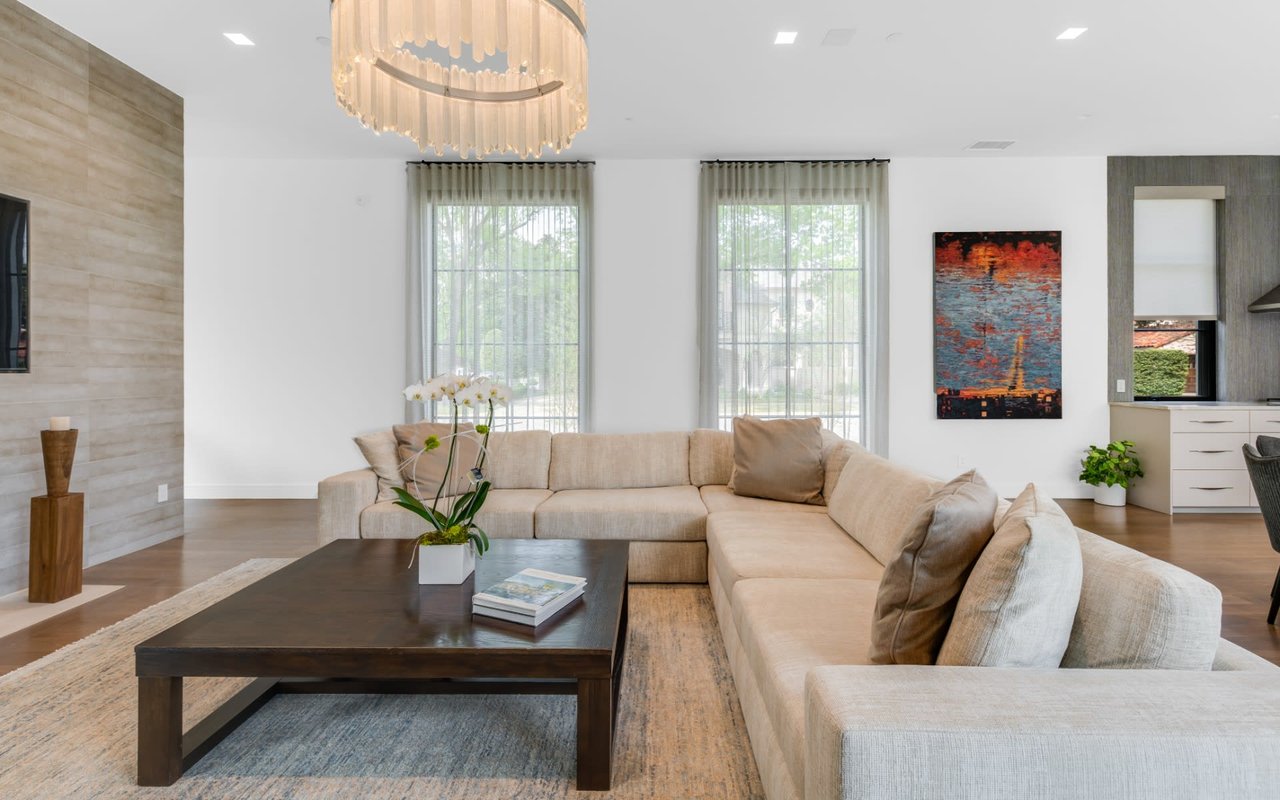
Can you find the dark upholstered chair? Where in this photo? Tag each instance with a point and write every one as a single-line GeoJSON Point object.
{"type": "Point", "coordinates": [1264, 471]}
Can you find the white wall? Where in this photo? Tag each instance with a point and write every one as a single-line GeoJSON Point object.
{"type": "Point", "coordinates": [645, 296]}
{"type": "Point", "coordinates": [999, 194]}
{"type": "Point", "coordinates": [294, 317]}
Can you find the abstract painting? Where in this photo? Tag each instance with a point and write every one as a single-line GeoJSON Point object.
{"type": "Point", "coordinates": [998, 325]}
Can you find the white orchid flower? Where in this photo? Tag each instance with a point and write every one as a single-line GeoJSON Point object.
{"type": "Point", "coordinates": [416, 393]}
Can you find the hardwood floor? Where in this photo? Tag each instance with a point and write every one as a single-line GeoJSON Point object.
{"type": "Point", "coordinates": [1230, 550]}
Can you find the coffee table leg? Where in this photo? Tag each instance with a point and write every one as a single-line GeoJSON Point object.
{"type": "Point", "coordinates": [595, 733]}
{"type": "Point", "coordinates": [159, 731]}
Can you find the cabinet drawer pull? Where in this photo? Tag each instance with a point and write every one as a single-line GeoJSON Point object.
{"type": "Point", "coordinates": [1210, 421]}
{"type": "Point", "coordinates": [1213, 488]}
{"type": "Point", "coordinates": [1213, 451]}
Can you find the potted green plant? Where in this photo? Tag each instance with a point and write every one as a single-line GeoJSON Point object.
{"type": "Point", "coordinates": [1110, 470]}
{"type": "Point", "coordinates": [447, 552]}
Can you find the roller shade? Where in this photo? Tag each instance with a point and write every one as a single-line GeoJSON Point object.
{"type": "Point", "coordinates": [1175, 259]}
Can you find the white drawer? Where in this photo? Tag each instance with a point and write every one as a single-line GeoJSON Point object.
{"type": "Point", "coordinates": [1265, 421]}
{"type": "Point", "coordinates": [1209, 420]}
{"type": "Point", "coordinates": [1207, 450]}
{"type": "Point", "coordinates": [1219, 488]}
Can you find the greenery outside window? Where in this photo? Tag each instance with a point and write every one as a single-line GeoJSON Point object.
{"type": "Point", "coordinates": [1175, 359]}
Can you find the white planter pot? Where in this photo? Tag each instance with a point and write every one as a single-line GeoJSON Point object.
{"type": "Point", "coordinates": [445, 563]}
{"type": "Point", "coordinates": [1110, 495]}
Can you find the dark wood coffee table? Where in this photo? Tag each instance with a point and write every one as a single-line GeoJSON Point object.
{"type": "Point", "coordinates": [351, 618]}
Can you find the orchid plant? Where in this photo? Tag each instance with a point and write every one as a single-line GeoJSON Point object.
{"type": "Point", "coordinates": [478, 395]}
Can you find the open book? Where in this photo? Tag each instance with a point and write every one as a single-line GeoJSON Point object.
{"type": "Point", "coordinates": [529, 597]}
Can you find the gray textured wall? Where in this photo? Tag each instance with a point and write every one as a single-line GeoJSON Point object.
{"type": "Point", "coordinates": [1249, 238]}
{"type": "Point", "coordinates": [97, 149]}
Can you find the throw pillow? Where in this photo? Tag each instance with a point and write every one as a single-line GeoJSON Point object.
{"type": "Point", "coordinates": [919, 588]}
{"type": "Point", "coordinates": [379, 449]}
{"type": "Point", "coordinates": [778, 459]}
{"type": "Point", "coordinates": [1019, 603]}
{"type": "Point", "coordinates": [423, 471]}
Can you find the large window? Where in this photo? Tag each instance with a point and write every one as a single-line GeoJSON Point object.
{"type": "Point", "coordinates": [1175, 294]}
{"type": "Point", "coordinates": [502, 259]}
{"type": "Point", "coordinates": [788, 274]}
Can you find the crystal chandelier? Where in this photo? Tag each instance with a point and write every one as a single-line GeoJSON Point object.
{"type": "Point", "coordinates": [477, 76]}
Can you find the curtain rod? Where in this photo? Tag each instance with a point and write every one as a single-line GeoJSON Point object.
{"type": "Point", "coordinates": [797, 161]}
{"type": "Point", "coordinates": [474, 162]}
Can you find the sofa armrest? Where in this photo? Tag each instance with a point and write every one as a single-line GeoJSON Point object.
{"type": "Point", "coordinates": [964, 732]}
{"type": "Point", "coordinates": [342, 498]}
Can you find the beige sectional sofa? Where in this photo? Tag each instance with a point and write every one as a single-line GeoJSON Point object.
{"type": "Point", "coordinates": [794, 588]}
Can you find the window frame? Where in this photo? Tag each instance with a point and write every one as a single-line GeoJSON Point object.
{"type": "Point", "coordinates": [1206, 331]}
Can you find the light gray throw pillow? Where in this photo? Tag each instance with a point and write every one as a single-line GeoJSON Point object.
{"type": "Point", "coordinates": [1019, 603]}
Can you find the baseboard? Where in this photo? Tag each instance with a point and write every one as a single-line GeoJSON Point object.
{"type": "Point", "coordinates": [251, 491]}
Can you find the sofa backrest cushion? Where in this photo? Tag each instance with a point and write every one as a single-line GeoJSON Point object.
{"type": "Point", "coordinates": [835, 455]}
{"type": "Point", "coordinates": [619, 461]}
{"type": "Point", "coordinates": [710, 457]}
{"type": "Point", "coordinates": [1137, 612]}
{"type": "Point", "coordinates": [519, 459]}
{"type": "Point", "coordinates": [875, 500]}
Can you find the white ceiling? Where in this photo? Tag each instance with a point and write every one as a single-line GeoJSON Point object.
{"type": "Point", "coordinates": [702, 78]}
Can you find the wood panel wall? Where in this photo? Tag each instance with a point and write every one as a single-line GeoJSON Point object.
{"type": "Point", "coordinates": [1249, 267]}
{"type": "Point", "coordinates": [97, 149]}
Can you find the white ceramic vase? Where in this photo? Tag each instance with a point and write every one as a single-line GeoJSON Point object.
{"type": "Point", "coordinates": [1110, 495]}
{"type": "Point", "coordinates": [445, 563]}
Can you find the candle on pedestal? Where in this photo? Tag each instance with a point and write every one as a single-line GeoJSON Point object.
{"type": "Point", "coordinates": [59, 423]}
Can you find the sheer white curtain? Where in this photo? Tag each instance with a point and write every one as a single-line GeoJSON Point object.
{"type": "Point", "coordinates": [498, 283]}
{"type": "Point", "coordinates": [794, 288]}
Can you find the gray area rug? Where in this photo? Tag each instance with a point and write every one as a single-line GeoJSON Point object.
{"type": "Point", "coordinates": [68, 723]}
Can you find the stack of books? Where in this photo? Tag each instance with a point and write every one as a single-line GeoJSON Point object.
{"type": "Point", "coordinates": [529, 597]}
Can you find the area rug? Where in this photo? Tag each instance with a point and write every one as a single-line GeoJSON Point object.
{"type": "Point", "coordinates": [68, 723]}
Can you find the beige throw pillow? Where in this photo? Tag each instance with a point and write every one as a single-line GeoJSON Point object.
{"type": "Point", "coordinates": [1019, 604]}
{"type": "Point", "coordinates": [380, 450]}
{"type": "Point", "coordinates": [778, 459]}
{"type": "Point", "coordinates": [423, 474]}
{"type": "Point", "coordinates": [919, 588]}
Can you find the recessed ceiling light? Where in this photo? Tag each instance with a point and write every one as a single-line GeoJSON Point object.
{"type": "Point", "coordinates": [239, 39]}
{"type": "Point", "coordinates": [786, 37]}
{"type": "Point", "coordinates": [1072, 33]}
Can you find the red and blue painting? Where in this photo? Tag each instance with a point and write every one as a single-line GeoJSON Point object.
{"type": "Point", "coordinates": [997, 301]}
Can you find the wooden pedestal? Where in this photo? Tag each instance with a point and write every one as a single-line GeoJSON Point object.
{"type": "Point", "coordinates": [57, 548]}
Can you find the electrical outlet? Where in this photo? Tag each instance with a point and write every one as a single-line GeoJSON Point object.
{"type": "Point", "coordinates": [962, 461]}
{"type": "Point", "coordinates": [1120, 386]}
{"type": "Point", "coordinates": [162, 493]}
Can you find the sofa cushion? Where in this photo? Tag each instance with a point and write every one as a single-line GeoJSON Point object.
{"type": "Point", "coordinates": [719, 499]}
{"type": "Point", "coordinates": [1020, 601]}
{"type": "Point", "coordinates": [1137, 612]}
{"type": "Point", "coordinates": [836, 452]}
{"type": "Point", "coordinates": [619, 461]}
{"type": "Point", "coordinates": [778, 459]}
{"type": "Point", "coordinates": [519, 459]}
{"type": "Point", "coordinates": [920, 587]}
{"type": "Point", "coordinates": [783, 545]}
{"type": "Point", "coordinates": [789, 627]}
{"type": "Point", "coordinates": [424, 470]}
{"type": "Point", "coordinates": [507, 514]}
{"type": "Point", "coordinates": [668, 513]}
{"type": "Point", "coordinates": [875, 500]}
{"type": "Point", "coordinates": [381, 451]}
{"type": "Point", "coordinates": [710, 457]}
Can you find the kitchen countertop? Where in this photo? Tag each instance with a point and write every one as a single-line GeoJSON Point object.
{"type": "Point", "coordinates": [1167, 404]}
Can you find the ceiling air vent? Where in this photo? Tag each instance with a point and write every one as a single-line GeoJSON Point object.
{"type": "Point", "coordinates": [992, 144]}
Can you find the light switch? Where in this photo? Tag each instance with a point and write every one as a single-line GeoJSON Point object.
{"type": "Point", "coordinates": [1120, 386]}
